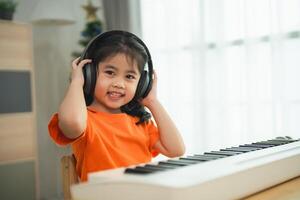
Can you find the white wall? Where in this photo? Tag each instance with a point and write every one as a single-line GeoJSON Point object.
{"type": "Point", "coordinates": [52, 57]}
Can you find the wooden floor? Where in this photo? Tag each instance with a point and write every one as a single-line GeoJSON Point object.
{"type": "Point", "coordinates": [289, 190]}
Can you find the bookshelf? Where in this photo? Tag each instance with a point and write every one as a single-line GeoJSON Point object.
{"type": "Point", "coordinates": [18, 143]}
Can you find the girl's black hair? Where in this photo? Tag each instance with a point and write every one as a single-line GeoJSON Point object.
{"type": "Point", "coordinates": [116, 44]}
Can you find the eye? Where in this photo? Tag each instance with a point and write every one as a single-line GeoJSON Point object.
{"type": "Point", "coordinates": [129, 76]}
{"type": "Point", "coordinates": [109, 72]}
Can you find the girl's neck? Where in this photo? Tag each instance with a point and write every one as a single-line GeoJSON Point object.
{"type": "Point", "coordinates": [100, 108]}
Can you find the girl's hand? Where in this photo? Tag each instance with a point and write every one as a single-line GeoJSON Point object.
{"type": "Point", "coordinates": [152, 96]}
{"type": "Point", "coordinates": [77, 74]}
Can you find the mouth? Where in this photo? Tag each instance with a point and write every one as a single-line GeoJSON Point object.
{"type": "Point", "coordinates": [115, 94]}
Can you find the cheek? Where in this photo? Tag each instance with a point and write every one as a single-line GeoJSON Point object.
{"type": "Point", "coordinates": [100, 85]}
{"type": "Point", "coordinates": [134, 86]}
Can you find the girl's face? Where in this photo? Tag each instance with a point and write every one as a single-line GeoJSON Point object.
{"type": "Point", "coordinates": [118, 77]}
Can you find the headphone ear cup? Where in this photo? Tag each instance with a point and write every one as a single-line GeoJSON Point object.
{"type": "Point", "coordinates": [148, 84]}
{"type": "Point", "coordinates": [90, 77]}
{"type": "Point", "coordinates": [143, 86]}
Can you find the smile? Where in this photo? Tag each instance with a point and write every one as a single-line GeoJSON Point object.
{"type": "Point", "coordinates": [115, 95]}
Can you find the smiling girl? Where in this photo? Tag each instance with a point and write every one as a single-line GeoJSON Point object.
{"type": "Point", "coordinates": [103, 135]}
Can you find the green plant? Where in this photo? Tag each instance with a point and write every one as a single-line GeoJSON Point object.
{"type": "Point", "coordinates": [8, 5]}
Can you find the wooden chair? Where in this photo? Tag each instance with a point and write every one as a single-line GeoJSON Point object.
{"type": "Point", "coordinates": [69, 175]}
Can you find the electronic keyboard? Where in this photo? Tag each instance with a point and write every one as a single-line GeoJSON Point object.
{"type": "Point", "coordinates": [229, 173]}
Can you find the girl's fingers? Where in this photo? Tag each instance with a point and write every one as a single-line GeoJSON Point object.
{"type": "Point", "coordinates": [83, 62]}
{"type": "Point", "coordinates": [75, 63]}
{"type": "Point", "coordinates": [154, 75]}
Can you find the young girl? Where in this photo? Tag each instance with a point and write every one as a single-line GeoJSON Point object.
{"type": "Point", "coordinates": [103, 135]}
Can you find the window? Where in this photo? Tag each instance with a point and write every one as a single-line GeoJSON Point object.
{"type": "Point", "coordinates": [227, 69]}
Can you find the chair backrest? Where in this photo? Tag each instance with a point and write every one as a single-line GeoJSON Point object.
{"type": "Point", "coordinates": [69, 175]}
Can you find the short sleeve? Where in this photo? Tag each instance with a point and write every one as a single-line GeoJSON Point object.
{"type": "Point", "coordinates": [55, 132]}
{"type": "Point", "coordinates": [154, 137]}
{"type": "Point", "coordinates": [57, 135]}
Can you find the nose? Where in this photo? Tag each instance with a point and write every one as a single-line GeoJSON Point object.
{"type": "Point", "coordinates": [118, 84]}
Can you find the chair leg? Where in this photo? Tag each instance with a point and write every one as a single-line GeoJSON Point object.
{"type": "Point", "coordinates": [69, 176]}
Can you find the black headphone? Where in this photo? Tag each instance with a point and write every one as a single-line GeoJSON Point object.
{"type": "Point", "coordinates": [90, 69]}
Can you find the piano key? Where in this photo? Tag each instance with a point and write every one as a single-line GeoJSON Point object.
{"type": "Point", "coordinates": [250, 148]}
{"type": "Point", "coordinates": [210, 156]}
{"type": "Point", "coordinates": [195, 159]}
{"type": "Point", "coordinates": [226, 153]}
{"type": "Point", "coordinates": [188, 162]}
{"type": "Point", "coordinates": [137, 171]}
{"type": "Point", "coordinates": [159, 166]}
{"type": "Point", "coordinates": [149, 168]}
{"type": "Point", "coordinates": [283, 138]}
{"type": "Point", "coordinates": [241, 149]}
{"type": "Point", "coordinates": [171, 164]}
{"type": "Point", "coordinates": [205, 158]}
{"type": "Point", "coordinates": [270, 142]}
{"type": "Point", "coordinates": [257, 145]}
{"type": "Point", "coordinates": [283, 141]}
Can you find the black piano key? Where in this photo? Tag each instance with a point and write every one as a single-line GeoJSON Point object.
{"type": "Point", "coordinates": [149, 168]}
{"type": "Point", "coordinates": [283, 138]}
{"type": "Point", "coordinates": [210, 156]}
{"type": "Point", "coordinates": [276, 143]}
{"type": "Point", "coordinates": [187, 162]}
{"type": "Point", "coordinates": [225, 153]}
{"type": "Point", "coordinates": [159, 166]}
{"type": "Point", "coordinates": [205, 157]}
{"type": "Point", "coordinates": [257, 145]}
{"type": "Point", "coordinates": [279, 140]}
{"type": "Point", "coordinates": [194, 159]}
{"type": "Point", "coordinates": [137, 171]}
{"type": "Point", "coordinates": [265, 143]}
{"type": "Point", "coordinates": [171, 164]}
{"type": "Point", "coordinates": [241, 149]}
{"type": "Point", "coordinates": [282, 141]}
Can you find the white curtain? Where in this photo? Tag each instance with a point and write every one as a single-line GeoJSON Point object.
{"type": "Point", "coordinates": [228, 70]}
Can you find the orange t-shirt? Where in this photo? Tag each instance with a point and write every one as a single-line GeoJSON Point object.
{"type": "Point", "coordinates": [109, 141]}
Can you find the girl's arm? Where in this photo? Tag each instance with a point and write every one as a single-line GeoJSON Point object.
{"type": "Point", "coordinates": [72, 114]}
{"type": "Point", "coordinates": [170, 143]}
